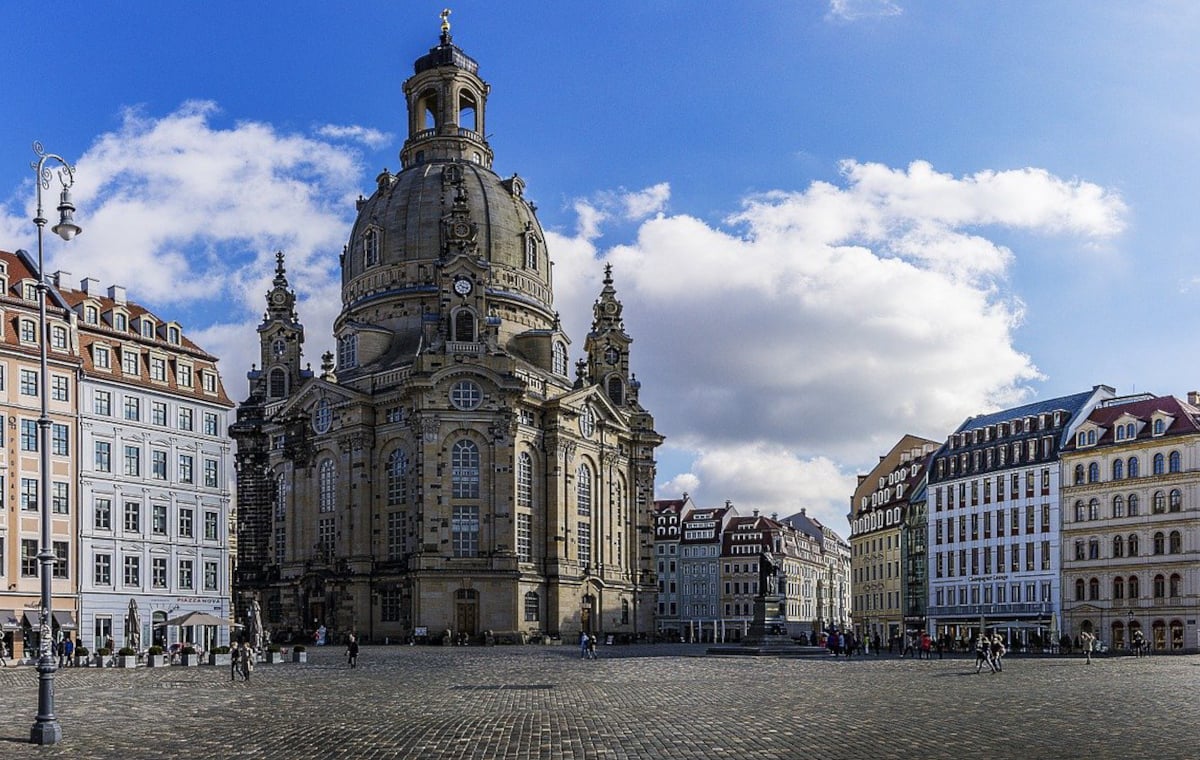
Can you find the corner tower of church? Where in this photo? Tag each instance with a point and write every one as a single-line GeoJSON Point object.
{"type": "Point", "coordinates": [448, 472]}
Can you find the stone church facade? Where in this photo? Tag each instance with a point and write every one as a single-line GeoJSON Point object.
{"type": "Point", "coordinates": [452, 471]}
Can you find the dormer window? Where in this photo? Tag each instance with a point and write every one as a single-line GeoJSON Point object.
{"type": "Point", "coordinates": [91, 315]}
{"type": "Point", "coordinates": [101, 357]}
{"type": "Point", "coordinates": [173, 335]}
{"type": "Point", "coordinates": [29, 291]}
{"type": "Point", "coordinates": [58, 337]}
{"type": "Point", "coordinates": [184, 375]}
{"type": "Point", "coordinates": [1160, 426]}
{"type": "Point", "coordinates": [559, 358]}
{"type": "Point", "coordinates": [147, 328]}
{"type": "Point", "coordinates": [129, 361]}
{"type": "Point", "coordinates": [371, 247]}
{"type": "Point", "coordinates": [209, 379]}
{"type": "Point", "coordinates": [120, 322]}
{"type": "Point", "coordinates": [158, 369]}
{"type": "Point", "coordinates": [531, 249]}
{"type": "Point", "coordinates": [28, 331]}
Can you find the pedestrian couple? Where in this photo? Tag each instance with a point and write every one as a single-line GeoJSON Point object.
{"type": "Point", "coordinates": [1087, 642]}
{"type": "Point", "coordinates": [241, 662]}
{"type": "Point", "coordinates": [587, 646]}
{"type": "Point", "coordinates": [988, 651]}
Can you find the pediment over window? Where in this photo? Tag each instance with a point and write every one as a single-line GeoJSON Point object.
{"type": "Point", "coordinates": [1160, 422]}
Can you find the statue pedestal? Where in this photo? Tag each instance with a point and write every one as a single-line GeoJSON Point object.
{"type": "Point", "coordinates": [768, 634]}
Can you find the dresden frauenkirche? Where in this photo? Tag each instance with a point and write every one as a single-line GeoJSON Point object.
{"type": "Point", "coordinates": [453, 472]}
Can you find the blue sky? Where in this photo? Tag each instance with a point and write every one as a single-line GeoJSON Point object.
{"type": "Point", "coordinates": [900, 213]}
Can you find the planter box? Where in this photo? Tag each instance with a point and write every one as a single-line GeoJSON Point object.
{"type": "Point", "coordinates": [101, 660]}
{"type": "Point", "coordinates": [156, 660]}
{"type": "Point", "coordinates": [83, 661]}
{"type": "Point", "coordinates": [127, 661]}
{"type": "Point", "coordinates": [220, 659]}
{"type": "Point", "coordinates": [299, 656]}
{"type": "Point", "coordinates": [275, 658]}
{"type": "Point", "coordinates": [190, 660]}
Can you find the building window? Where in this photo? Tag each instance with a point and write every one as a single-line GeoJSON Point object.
{"type": "Point", "coordinates": [29, 494]}
{"type": "Point", "coordinates": [158, 413]}
{"type": "Point", "coordinates": [133, 517]}
{"type": "Point", "coordinates": [1118, 469]}
{"type": "Point", "coordinates": [559, 358]}
{"type": "Point", "coordinates": [1132, 544]}
{"type": "Point", "coordinates": [524, 480]}
{"type": "Point", "coordinates": [397, 477]}
{"type": "Point", "coordinates": [29, 382]}
{"type": "Point", "coordinates": [524, 537]}
{"type": "Point", "coordinates": [583, 490]}
{"type": "Point", "coordinates": [327, 484]}
{"type": "Point", "coordinates": [277, 383]}
{"type": "Point", "coordinates": [133, 571]}
{"type": "Point", "coordinates": [1175, 500]}
{"type": "Point", "coordinates": [59, 388]}
{"type": "Point", "coordinates": [389, 606]}
{"type": "Point", "coordinates": [371, 247]}
{"type": "Point", "coordinates": [210, 526]}
{"type": "Point", "coordinates": [173, 335]}
{"type": "Point", "coordinates": [1175, 542]}
{"type": "Point", "coordinates": [102, 519]}
{"type": "Point", "coordinates": [1160, 543]}
{"type": "Point", "coordinates": [158, 519]}
{"type": "Point", "coordinates": [60, 440]}
{"type": "Point", "coordinates": [158, 572]}
{"type": "Point", "coordinates": [466, 395]}
{"type": "Point", "coordinates": [91, 315]}
{"type": "Point", "coordinates": [28, 331]}
{"type": "Point", "coordinates": [1175, 463]}
{"type": "Point", "coordinates": [185, 574]}
{"type": "Point", "coordinates": [102, 570]}
{"type": "Point", "coordinates": [1133, 505]}
{"type": "Point", "coordinates": [133, 408]}
{"type": "Point", "coordinates": [464, 531]}
{"type": "Point", "coordinates": [129, 361]}
{"type": "Point", "coordinates": [464, 462]}
{"type": "Point", "coordinates": [158, 369]}
{"type": "Point", "coordinates": [29, 560]}
{"type": "Point", "coordinates": [184, 374]}
{"type": "Point", "coordinates": [347, 351]}
{"type": "Point", "coordinates": [533, 607]}
{"type": "Point", "coordinates": [29, 435]}
{"type": "Point", "coordinates": [186, 474]}
{"type": "Point", "coordinates": [584, 530]}
{"type": "Point", "coordinates": [209, 379]}
{"type": "Point", "coordinates": [211, 477]}
{"type": "Point", "coordinates": [101, 357]}
{"type": "Point", "coordinates": [212, 425]}
{"type": "Point", "coordinates": [158, 465]}
{"type": "Point", "coordinates": [210, 576]}
{"type": "Point", "coordinates": [133, 461]}
{"type": "Point", "coordinates": [395, 535]}
{"type": "Point", "coordinates": [186, 418]}
{"type": "Point", "coordinates": [1118, 506]}
{"type": "Point", "coordinates": [60, 498]}
{"type": "Point", "coordinates": [1159, 503]}
{"type": "Point", "coordinates": [1132, 467]}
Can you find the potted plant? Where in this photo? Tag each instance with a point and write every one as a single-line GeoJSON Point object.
{"type": "Point", "coordinates": [102, 655]}
{"type": "Point", "coordinates": [274, 654]}
{"type": "Point", "coordinates": [299, 653]}
{"type": "Point", "coordinates": [83, 657]}
{"type": "Point", "coordinates": [155, 657]}
{"type": "Point", "coordinates": [188, 656]}
{"type": "Point", "coordinates": [219, 656]}
{"type": "Point", "coordinates": [126, 657]}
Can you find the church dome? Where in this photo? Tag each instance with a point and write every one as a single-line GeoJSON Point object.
{"type": "Point", "coordinates": [445, 203]}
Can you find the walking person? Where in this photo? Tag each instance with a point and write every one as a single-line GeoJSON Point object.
{"type": "Point", "coordinates": [352, 651]}
{"type": "Point", "coordinates": [247, 659]}
{"type": "Point", "coordinates": [1086, 641]}
{"type": "Point", "coordinates": [591, 647]}
{"type": "Point", "coordinates": [583, 645]}
{"type": "Point", "coordinates": [997, 650]}
{"type": "Point", "coordinates": [983, 652]}
{"type": "Point", "coordinates": [926, 646]}
{"type": "Point", "coordinates": [234, 657]}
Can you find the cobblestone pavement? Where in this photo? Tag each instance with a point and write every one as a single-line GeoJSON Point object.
{"type": "Point", "coordinates": [662, 701]}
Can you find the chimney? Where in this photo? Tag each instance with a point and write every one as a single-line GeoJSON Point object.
{"type": "Point", "coordinates": [90, 285]}
{"type": "Point", "coordinates": [62, 280]}
{"type": "Point", "coordinates": [1194, 398]}
{"type": "Point", "coordinates": [756, 513]}
{"type": "Point", "coordinates": [775, 516]}
{"type": "Point", "coordinates": [117, 293]}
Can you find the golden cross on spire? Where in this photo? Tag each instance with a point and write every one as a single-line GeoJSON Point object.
{"type": "Point", "coordinates": [445, 20]}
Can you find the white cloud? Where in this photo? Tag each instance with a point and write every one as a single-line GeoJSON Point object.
{"type": "Point", "coordinates": [372, 138]}
{"type": "Point", "coordinates": [833, 321]}
{"type": "Point", "coordinates": [188, 215]}
{"type": "Point", "coordinates": [856, 10]}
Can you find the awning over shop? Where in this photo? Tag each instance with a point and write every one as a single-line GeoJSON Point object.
{"type": "Point", "coordinates": [9, 621]}
{"type": "Point", "coordinates": [33, 618]}
{"type": "Point", "coordinates": [65, 620]}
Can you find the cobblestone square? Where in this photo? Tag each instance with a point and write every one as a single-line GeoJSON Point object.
{"type": "Point", "coordinates": [663, 701]}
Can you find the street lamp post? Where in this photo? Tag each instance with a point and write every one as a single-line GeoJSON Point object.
{"type": "Point", "coordinates": [46, 728]}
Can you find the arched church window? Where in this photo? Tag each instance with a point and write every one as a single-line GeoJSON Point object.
{"type": "Point", "coordinates": [464, 463]}
{"type": "Point", "coordinates": [427, 109]}
{"type": "Point", "coordinates": [371, 247]}
{"type": "Point", "coordinates": [347, 351]}
{"type": "Point", "coordinates": [397, 477]}
{"type": "Point", "coordinates": [616, 390]}
{"type": "Point", "coordinates": [583, 490]}
{"type": "Point", "coordinates": [326, 486]}
{"type": "Point", "coordinates": [464, 325]}
{"type": "Point", "coordinates": [280, 496]}
{"type": "Point", "coordinates": [559, 358]}
{"type": "Point", "coordinates": [524, 480]}
{"type": "Point", "coordinates": [277, 383]}
{"type": "Point", "coordinates": [531, 249]}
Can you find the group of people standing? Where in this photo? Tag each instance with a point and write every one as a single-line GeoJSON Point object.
{"type": "Point", "coordinates": [241, 661]}
{"type": "Point", "coordinates": [587, 646]}
{"type": "Point", "coordinates": [988, 651]}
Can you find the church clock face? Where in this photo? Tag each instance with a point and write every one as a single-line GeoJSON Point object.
{"type": "Point", "coordinates": [612, 355]}
{"type": "Point", "coordinates": [462, 286]}
{"type": "Point", "coordinates": [277, 297]}
{"type": "Point", "coordinates": [278, 347]}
